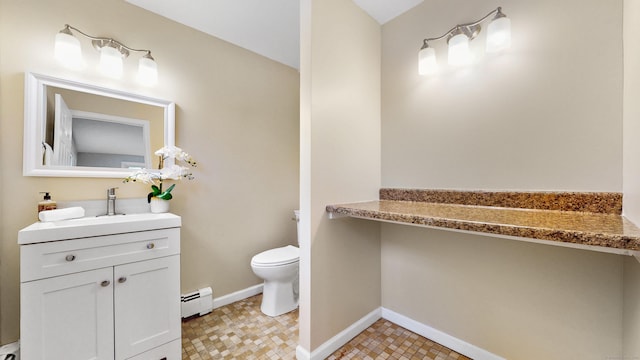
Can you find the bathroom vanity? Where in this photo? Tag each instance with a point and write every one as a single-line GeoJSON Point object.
{"type": "Point", "coordinates": [101, 288]}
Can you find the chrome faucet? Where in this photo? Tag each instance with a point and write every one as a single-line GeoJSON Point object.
{"type": "Point", "coordinates": [111, 201]}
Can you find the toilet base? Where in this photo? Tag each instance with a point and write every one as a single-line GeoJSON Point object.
{"type": "Point", "coordinates": [279, 297]}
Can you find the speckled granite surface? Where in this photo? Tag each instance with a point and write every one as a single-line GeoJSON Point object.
{"type": "Point", "coordinates": [597, 202]}
{"type": "Point", "coordinates": [577, 227]}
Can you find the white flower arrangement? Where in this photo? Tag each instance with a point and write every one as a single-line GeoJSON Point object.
{"type": "Point", "coordinates": [175, 153]}
{"type": "Point", "coordinates": [169, 172]}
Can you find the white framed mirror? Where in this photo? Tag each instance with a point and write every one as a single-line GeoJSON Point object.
{"type": "Point", "coordinates": [73, 129]}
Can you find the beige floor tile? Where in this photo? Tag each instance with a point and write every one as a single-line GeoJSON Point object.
{"type": "Point", "coordinates": [241, 331]}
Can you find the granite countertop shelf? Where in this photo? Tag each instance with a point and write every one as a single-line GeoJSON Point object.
{"type": "Point", "coordinates": [590, 221]}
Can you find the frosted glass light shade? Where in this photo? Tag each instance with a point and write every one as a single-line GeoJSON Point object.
{"type": "Point", "coordinates": [110, 62]}
{"type": "Point", "coordinates": [459, 53]}
{"type": "Point", "coordinates": [67, 50]}
{"type": "Point", "coordinates": [499, 34]}
{"type": "Point", "coordinates": [427, 63]}
{"type": "Point", "coordinates": [147, 71]}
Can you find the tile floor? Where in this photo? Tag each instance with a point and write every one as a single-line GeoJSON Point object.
{"type": "Point", "coordinates": [241, 331]}
{"type": "Point", "coordinates": [386, 340]}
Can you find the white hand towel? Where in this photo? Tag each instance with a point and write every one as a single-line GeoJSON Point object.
{"type": "Point", "coordinates": [61, 214]}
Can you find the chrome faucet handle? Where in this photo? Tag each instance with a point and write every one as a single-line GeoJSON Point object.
{"type": "Point", "coordinates": [111, 201]}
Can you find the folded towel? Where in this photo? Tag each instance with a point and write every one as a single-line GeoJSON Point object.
{"type": "Point", "coordinates": [61, 214]}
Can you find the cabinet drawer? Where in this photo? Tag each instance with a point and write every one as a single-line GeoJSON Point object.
{"type": "Point", "coordinates": [169, 351]}
{"type": "Point", "coordinates": [64, 257]}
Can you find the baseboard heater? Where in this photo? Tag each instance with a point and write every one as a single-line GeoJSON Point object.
{"type": "Point", "coordinates": [199, 302]}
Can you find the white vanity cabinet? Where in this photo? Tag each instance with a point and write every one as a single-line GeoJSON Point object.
{"type": "Point", "coordinates": [102, 293]}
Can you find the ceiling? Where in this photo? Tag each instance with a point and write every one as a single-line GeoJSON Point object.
{"type": "Point", "coordinates": [267, 27]}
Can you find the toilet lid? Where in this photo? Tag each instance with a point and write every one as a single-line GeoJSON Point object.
{"type": "Point", "coordinates": [278, 256]}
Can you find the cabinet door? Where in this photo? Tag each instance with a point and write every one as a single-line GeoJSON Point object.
{"type": "Point", "coordinates": [68, 317]}
{"type": "Point", "coordinates": [147, 305]}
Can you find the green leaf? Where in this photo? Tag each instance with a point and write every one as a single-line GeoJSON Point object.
{"type": "Point", "coordinates": [157, 192]}
{"type": "Point", "coordinates": [165, 196]}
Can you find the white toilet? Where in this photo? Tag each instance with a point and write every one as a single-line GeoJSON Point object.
{"type": "Point", "coordinates": [279, 269]}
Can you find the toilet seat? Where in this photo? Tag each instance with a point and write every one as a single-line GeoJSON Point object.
{"type": "Point", "coordinates": [277, 257]}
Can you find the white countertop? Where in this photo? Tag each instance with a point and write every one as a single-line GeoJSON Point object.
{"type": "Point", "coordinates": [96, 226]}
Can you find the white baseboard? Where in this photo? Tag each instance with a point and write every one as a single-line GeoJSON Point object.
{"type": "Point", "coordinates": [237, 296]}
{"type": "Point", "coordinates": [330, 346]}
{"type": "Point", "coordinates": [440, 337]}
{"type": "Point", "coordinates": [302, 353]}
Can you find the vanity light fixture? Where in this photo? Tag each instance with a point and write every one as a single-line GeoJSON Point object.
{"type": "Point", "coordinates": [458, 38]}
{"type": "Point", "coordinates": [68, 51]}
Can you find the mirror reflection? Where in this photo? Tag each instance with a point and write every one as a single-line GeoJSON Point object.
{"type": "Point", "coordinates": [87, 130]}
{"type": "Point", "coordinates": [74, 129]}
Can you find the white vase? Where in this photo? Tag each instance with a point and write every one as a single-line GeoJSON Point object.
{"type": "Point", "coordinates": [159, 205]}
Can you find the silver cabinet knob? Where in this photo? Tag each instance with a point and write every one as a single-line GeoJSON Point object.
{"type": "Point", "coordinates": [150, 245]}
{"type": "Point", "coordinates": [122, 279]}
{"type": "Point", "coordinates": [70, 257]}
{"type": "Point", "coordinates": [105, 283]}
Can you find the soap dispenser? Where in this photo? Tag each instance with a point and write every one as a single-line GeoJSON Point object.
{"type": "Point", "coordinates": [46, 203]}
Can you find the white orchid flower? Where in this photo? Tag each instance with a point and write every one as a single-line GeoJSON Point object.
{"type": "Point", "coordinates": [168, 171]}
{"type": "Point", "coordinates": [175, 172]}
{"type": "Point", "coordinates": [168, 152]}
{"type": "Point", "coordinates": [184, 157]}
{"type": "Point", "coordinates": [177, 153]}
{"type": "Point", "coordinates": [144, 176]}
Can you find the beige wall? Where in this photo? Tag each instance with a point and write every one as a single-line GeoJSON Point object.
{"type": "Point", "coordinates": [340, 74]}
{"type": "Point", "coordinates": [631, 172]}
{"type": "Point", "coordinates": [237, 114]}
{"type": "Point", "coordinates": [631, 111]}
{"type": "Point", "coordinates": [517, 300]}
{"type": "Point", "coordinates": [546, 115]}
